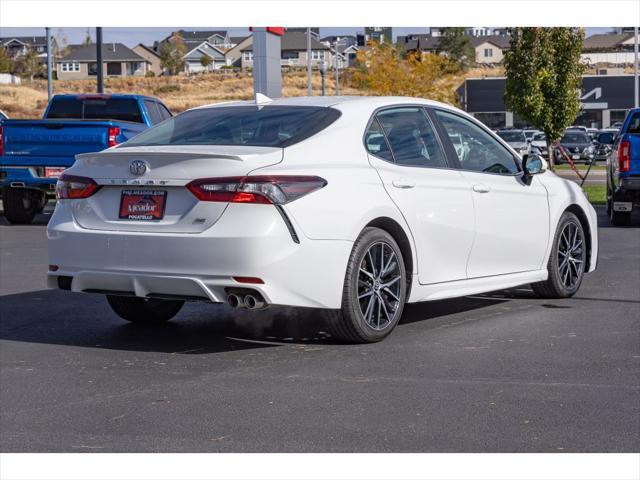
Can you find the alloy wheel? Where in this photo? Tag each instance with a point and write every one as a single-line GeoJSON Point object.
{"type": "Point", "coordinates": [570, 255]}
{"type": "Point", "coordinates": [379, 285]}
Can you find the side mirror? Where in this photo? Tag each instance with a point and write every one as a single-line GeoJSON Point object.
{"type": "Point", "coordinates": [532, 164]}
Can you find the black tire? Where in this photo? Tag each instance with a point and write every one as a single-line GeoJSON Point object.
{"type": "Point", "coordinates": [620, 219]}
{"type": "Point", "coordinates": [561, 284]}
{"type": "Point", "coordinates": [144, 310]}
{"type": "Point", "coordinates": [21, 205]}
{"type": "Point", "coordinates": [351, 323]}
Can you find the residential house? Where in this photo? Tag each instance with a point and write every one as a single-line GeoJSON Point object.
{"type": "Point", "coordinates": [419, 42]}
{"type": "Point", "coordinates": [154, 64]}
{"type": "Point", "coordinates": [473, 31]}
{"type": "Point", "coordinates": [194, 58]}
{"type": "Point", "coordinates": [118, 61]}
{"type": "Point", "coordinates": [193, 38]}
{"type": "Point", "coordinates": [344, 47]}
{"type": "Point", "coordinates": [375, 34]}
{"type": "Point", "coordinates": [490, 49]}
{"type": "Point", "coordinates": [234, 55]}
{"type": "Point", "coordinates": [608, 49]}
{"type": "Point", "coordinates": [16, 46]}
{"type": "Point", "coordinates": [293, 51]}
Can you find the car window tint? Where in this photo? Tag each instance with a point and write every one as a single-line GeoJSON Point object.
{"type": "Point", "coordinates": [152, 111]}
{"type": "Point", "coordinates": [476, 149]}
{"type": "Point", "coordinates": [258, 126]}
{"type": "Point", "coordinates": [412, 138]}
{"type": "Point", "coordinates": [164, 111]}
{"type": "Point", "coordinates": [376, 143]}
{"type": "Point", "coordinates": [634, 125]}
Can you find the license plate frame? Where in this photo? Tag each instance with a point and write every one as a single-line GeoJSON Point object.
{"type": "Point", "coordinates": [151, 205]}
{"type": "Point", "coordinates": [622, 206]}
{"type": "Point", "coordinates": [53, 172]}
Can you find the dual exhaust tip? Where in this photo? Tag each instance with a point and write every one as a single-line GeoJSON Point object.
{"type": "Point", "coordinates": [248, 301]}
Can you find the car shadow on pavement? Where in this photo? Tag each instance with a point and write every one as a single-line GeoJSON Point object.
{"type": "Point", "coordinates": [85, 320]}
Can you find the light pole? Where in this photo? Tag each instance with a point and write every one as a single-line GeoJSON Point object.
{"type": "Point", "coordinates": [309, 87]}
{"type": "Point", "coordinates": [635, 66]}
{"type": "Point", "coordinates": [336, 67]}
{"type": "Point", "coordinates": [49, 64]}
{"type": "Point", "coordinates": [99, 58]}
{"type": "Point", "coordinates": [322, 66]}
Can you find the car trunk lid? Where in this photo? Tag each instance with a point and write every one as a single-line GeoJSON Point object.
{"type": "Point", "coordinates": [160, 181]}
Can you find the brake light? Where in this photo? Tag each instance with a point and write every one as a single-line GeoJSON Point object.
{"type": "Point", "coordinates": [1, 141]}
{"type": "Point", "coordinates": [624, 156]}
{"type": "Point", "coordinates": [278, 189]}
{"type": "Point", "coordinates": [112, 136]}
{"type": "Point", "coordinates": [72, 186]}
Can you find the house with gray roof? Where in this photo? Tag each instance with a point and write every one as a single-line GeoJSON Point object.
{"type": "Point", "coordinates": [118, 61]}
{"type": "Point", "coordinates": [489, 49]}
{"type": "Point", "coordinates": [608, 49]}
{"type": "Point", "coordinates": [16, 46]}
{"type": "Point", "coordinates": [195, 58]}
{"type": "Point", "coordinates": [293, 51]}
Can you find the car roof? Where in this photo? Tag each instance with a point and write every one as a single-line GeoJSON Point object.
{"type": "Point", "coordinates": [332, 101]}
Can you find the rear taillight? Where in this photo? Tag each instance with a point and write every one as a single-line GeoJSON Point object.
{"type": "Point", "coordinates": [72, 186]}
{"type": "Point", "coordinates": [112, 136]}
{"type": "Point", "coordinates": [278, 190]}
{"type": "Point", "coordinates": [624, 156]}
{"type": "Point", "coordinates": [1, 141]}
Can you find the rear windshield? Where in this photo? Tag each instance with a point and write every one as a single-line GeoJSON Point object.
{"type": "Point", "coordinates": [512, 136]}
{"type": "Point", "coordinates": [124, 109]}
{"type": "Point", "coordinates": [606, 137]}
{"type": "Point", "coordinates": [268, 126]}
{"type": "Point", "coordinates": [575, 137]}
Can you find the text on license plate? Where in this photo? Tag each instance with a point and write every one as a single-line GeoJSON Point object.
{"type": "Point", "coordinates": [142, 204]}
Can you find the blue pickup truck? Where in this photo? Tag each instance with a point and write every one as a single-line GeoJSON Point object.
{"type": "Point", "coordinates": [33, 153]}
{"type": "Point", "coordinates": [623, 171]}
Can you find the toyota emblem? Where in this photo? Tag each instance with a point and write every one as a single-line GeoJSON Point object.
{"type": "Point", "coordinates": [137, 167]}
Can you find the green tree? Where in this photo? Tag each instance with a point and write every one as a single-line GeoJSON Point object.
{"type": "Point", "coordinates": [544, 78]}
{"type": "Point", "coordinates": [206, 61]}
{"type": "Point", "coordinates": [456, 44]}
{"type": "Point", "coordinates": [6, 64]}
{"type": "Point", "coordinates": [29, 64]}
{"type": "Point", "coordinates": [171, 54]}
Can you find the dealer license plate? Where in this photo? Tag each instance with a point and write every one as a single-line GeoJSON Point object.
{"type": "Point", "coordinates": [142, 204]}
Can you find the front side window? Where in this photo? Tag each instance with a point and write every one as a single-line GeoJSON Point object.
{"type": "Point", "coordinates": [634, 125]}
{"type": "Point", "coordinates": [411, 137]}
{"type": "Point", "coordinates": [476, 149]}
{"type": "Point", "coordinates": [152, 110]}
{"type": "Point", "coordinates": [266, 126]}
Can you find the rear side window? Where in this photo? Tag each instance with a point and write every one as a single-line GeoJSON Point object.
{"type": "Point", "coordinates": [412, 138]}
{"type": "Point", "coordinates": [266, 126]}
{"type": "Point", "coordinates": [81, 108]}
{"type": "Point", "coordinates": [376, 143]}
{"type": "Point", "coordinates": [153, 112]}
{"type": "Point", "coordinates": [634, 125]}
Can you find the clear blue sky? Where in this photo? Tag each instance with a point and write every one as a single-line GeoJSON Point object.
{"type": "Point", "coordinates": [147, 35]}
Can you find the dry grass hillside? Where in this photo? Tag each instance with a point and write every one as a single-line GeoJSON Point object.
{"type": "Point", "coordinates": [180, 93]}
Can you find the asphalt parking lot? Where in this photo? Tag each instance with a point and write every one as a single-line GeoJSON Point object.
{"type": "Point", "coordinates": [504, 372]}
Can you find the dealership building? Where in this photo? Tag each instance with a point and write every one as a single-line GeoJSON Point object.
{"type": "Point", "coordinates": [606, 99]}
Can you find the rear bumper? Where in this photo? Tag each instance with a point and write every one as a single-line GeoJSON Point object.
{"type": "Point", "coordinates": [27, 178]}
{"type": "Point", "coordinates": [248, 240]}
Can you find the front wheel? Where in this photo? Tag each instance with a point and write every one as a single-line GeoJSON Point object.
{"type": "Point", "coordinates": [374, 289]}
{"type": "Point", "coordinates": [566, 262]}
{"type": "Point", "coordinates": [149, 311]}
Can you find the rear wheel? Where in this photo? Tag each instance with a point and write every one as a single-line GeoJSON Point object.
{"type": "Point", "coordinates": [374, 289]}
{"type": "Point", "coordinates": [144, 310]}
{"type": "Point", "coordinates": [620, 219]}
{"type": "Point", "coordinates": [21, 204]}
{"type": "Point", "coordinates": [566, 262]}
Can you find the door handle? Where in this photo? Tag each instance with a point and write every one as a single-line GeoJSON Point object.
{"type": "Point", "coordinates": [481, 188]}
{"type": "Point", "coordinates": [403, 183]}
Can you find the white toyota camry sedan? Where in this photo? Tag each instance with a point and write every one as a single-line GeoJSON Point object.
{"type": "Point", "coordinates": [356, 205]}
